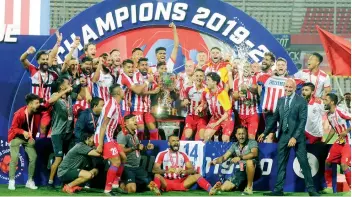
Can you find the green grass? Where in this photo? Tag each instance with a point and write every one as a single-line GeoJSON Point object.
{"type": "Point", "coordinates": [22, 191]}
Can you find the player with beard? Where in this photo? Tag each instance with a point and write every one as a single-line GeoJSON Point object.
{"type": "Point", "coordinates": [267, 63]}
{"type": "Point", "coordinates": [245, 101]}
{"type": "Point", "coordinates": [195, 122]}
{"type": "Point", "coordinates": [314, 126]}
{"type": "Point", "coordinates": [219, 104]}
{"type": "Point", "coordinates": [340, 152]}
{"type": "Point", "coordinates": [141, 103]}
{"type": "Point", "coordinates": [115, 68]}
{"type": "Point", "coordinates": [316, 76]}
{"type": "Point", "coordinates": [244, 153]}
{"type": "Point", "coordinates": [270, 88]}
{"type": "Point", "coordinates": [22, 132]}
{"type": "Point", "coordinates": [42, 80]}
{"type": "Point", "coordinates": [133, 173]}
{"type": "Point", "coordinates": [85, 81]}
{"type": "Point", "coordinates": [177, 173]}
{"type": "Point", "coordinates": [218, 65]}
{"type": "Point", "coordinates": [105, 79]}
{"type": "Point", "coordinates": [160, 52]}
{"type": "Point", "coordinates": [104, 140]}
{"type": "Point", "coordinates": [202, 59]}
{"type": "Point", "coordinates": [62, 136]}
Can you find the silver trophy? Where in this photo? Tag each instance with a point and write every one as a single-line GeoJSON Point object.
{"type": "Point", "coordinates": [165, 102]}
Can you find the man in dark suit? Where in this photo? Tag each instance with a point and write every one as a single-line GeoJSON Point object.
{"type": "Point", "coordinates": [291, 113]}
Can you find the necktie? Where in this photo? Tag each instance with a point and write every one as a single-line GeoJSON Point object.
{"type": "Point", "coordinates": [286, 112]}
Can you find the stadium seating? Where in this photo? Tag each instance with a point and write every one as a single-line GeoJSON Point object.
{"type": "Point", "coordinates": [324, 17]}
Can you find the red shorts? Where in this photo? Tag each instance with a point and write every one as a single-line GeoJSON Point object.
{"type": "Point", "coordinates": [45, 118]}
{"type": "Point", "coordinates": [111, 149]}
{"type": "Point", "coordinates": [251, 122]}
{"type": "Point", "coordinates": [144, 117]}
{"type": "Point", "coordinates": [195, 123]}
{"type": "Point", "coordinates": [312, 139]}
{"type": "Point", "coordinates": [339, 154]}
{"type": "Point", "coordinates": [175, 185]}
{"type": "Point", "coordinates": [227, 126]}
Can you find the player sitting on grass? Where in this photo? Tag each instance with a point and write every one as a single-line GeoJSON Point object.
{"type": "Point", "coordinates": [245, 153]}
{"type": "Point", "coordinates": [177, 173]}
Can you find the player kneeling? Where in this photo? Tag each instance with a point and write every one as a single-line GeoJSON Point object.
{"type": "Point", "coordinates": [178, 173]}
{"type": "Point", "coordinates": [245, 153]}
{"type": "Point", "coordinates": [73, 169]}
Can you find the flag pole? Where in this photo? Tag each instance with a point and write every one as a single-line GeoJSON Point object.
{"type": "Point", "coordinates": [341, 93]}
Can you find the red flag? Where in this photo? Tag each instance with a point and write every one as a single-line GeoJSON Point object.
{"type": "Point", "coordinates": [338, 51]}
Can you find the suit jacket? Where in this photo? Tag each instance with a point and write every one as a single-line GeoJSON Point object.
{"type": "Point", "coordinates": [297, 118]}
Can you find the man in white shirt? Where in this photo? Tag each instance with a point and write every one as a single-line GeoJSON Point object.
{"type": "Point", "coordinates": [316, 76]}
{"type": "Point", "coordinates": [314, 126]}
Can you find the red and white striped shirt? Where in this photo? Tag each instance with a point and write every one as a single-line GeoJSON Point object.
{"type": "Point", "coordinates": [194, 96]}
{"type": "Point", "coordinates": [272, 90]}
{"type": "Point", "coordinates": [111, 110]}
{"type": "Point", "coordinates": [314, 125]}
{"type": "Point", "coordinates": [84, 103]}
{"type": "Point", "coordinates": [214, 105]}
{"type": "Point", "coordinates": [320, 79]}
{"type": "Point", "coordinates": [174, 160]}
{"type": "Point", "coordinates": [340, 121]}
{"type": "Point", "coordinates": [182, 83]}
{"type": "Point", "coordinates": [139, 103]}
{"type": "Point", "coordinates": [41, 82]}
{"type": "Point", "coordinates": [101, 87]}
{"type": "Point", "coordinates": [240, 105]}
{"type": "Point", "coordinates": [126, 83]}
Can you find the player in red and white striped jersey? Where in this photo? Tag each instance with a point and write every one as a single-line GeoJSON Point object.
{"type": "Point", "coordinates": [184, 79]}
{"type": "Point", "coordinates": [219, 104]}
{"type": "Point", "coordinates": [85, 81]}
{"type": "Point", "coordinates": [195, 122]}
{"type": "Point", "coordinates": [42, 79]}
{"type": "Point", "coordinates": [271, 88]}
{"type": "Point", "coordinates": [340, 152]}
{"type": "Point", "coordinates": [127, 84]}
{"type": "Point", "coordinates": [177, 172]}
{"type": "Point", "coordinates": [104, 140]}
{"type": "Point", "coordinates": [314, 126]}
{"type": "Point", "coordinates": [105, 80]}
{"type": "Point", "coordinates": [246, 101]}
{"type": "Point", "coordinates": [141, 103]}
{"type": "Point", "coordinates": [316, 76]}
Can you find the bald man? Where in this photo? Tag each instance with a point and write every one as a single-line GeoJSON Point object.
{"type": "Point", "coordinates": [291, 113]}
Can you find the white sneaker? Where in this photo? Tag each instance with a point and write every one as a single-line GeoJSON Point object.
{"type": "Point", "coordinates": [31, 185]}
{"type": "Point", "coordinates": [11, 185]}
{"type": "Point", "coordinates": [115, 186]}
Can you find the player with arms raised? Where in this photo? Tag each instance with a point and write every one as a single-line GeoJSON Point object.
{"type": "Point", "coordinates": [177, 172]}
